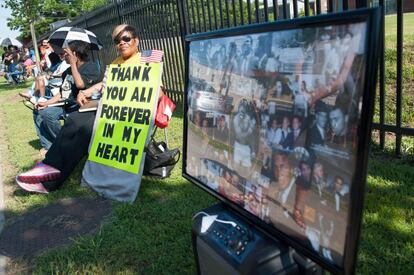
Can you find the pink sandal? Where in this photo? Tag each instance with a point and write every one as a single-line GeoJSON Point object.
{"type": "Point", "coordinates": [39, 173]}
{"type": "Point", "coordinates": [32, 187]}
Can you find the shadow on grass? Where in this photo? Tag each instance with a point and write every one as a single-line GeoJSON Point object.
{"type": "Point", "coordinates": [387, 154]}
{"type": "Point", "coordinates": [391, 169]}
{"type": "Point", "coordinates": [388, 218]}
{"type": "Point", "coordinates": [4, 86]}
{"type": "Point", "coordinates": [390, 185]}
{"type": "Point", "coordinates": [35, 143]}
{"type": "Point", "coordinates": [150, 236]}
{"type": "Point", "coordinates": [179, 110]}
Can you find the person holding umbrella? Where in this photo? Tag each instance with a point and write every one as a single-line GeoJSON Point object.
{"type": "Point", "coordinates": [81, 74]}
{"type": "Point", "coordinates": [71, 145]}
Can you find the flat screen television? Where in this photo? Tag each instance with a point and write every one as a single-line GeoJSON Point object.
{"type": "Point", "coordinates": [278, 122]}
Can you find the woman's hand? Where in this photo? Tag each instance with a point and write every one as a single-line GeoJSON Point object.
{"type": "Point", "coordinates": [41, 105]}
{"type": "Point", "coordinates": [71, 57]}
{"type": "Point", "coordinates": [81, 99]}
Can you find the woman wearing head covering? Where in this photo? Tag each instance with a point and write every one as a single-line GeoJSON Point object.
{"type": "Point", "coordinates": [71, 145]}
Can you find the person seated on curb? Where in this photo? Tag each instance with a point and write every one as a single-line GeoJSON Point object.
{"type": "Point", "coordinates": [81, 74]}
{"type": "Point", "coordinates": [72, 142]}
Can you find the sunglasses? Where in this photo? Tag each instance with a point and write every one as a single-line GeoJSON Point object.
{"type": "Point", "coordinates": [124, 38]}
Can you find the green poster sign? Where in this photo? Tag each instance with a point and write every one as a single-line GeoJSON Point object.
{"type": "Point", "coordinates": [125, 115]}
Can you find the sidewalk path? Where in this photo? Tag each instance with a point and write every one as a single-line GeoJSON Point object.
{"type": "Point", "coordinates": [2, 221]}
{"type": "Point", "coordinates": [2, 205]}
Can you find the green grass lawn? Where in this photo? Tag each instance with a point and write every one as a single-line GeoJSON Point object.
{"type": "Point", "coordinates": [391, 24]}
{"type": "Point", "coordinates": [152, 235]}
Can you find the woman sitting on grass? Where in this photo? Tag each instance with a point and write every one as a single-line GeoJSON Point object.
{"type": "Point", "coordinates": [71, 145]}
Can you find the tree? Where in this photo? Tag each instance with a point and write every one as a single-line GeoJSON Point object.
{"type": "Point", "coordinates": [44, 12]}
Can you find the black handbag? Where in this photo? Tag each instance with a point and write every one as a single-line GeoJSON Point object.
{"type": "Point", "coordinates": [159, 160]}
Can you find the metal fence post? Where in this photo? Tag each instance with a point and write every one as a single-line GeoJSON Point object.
{"type": "Point", "coordinates": [184, 24]}
{"type": "Point", "coordinates": [118, 12]}
{"type": "Point", "coordinates": [382, 78]}
{"type": "Point", "coordinates": [361, 4]}
{"type": "Point", "coordinates": [399, 74]}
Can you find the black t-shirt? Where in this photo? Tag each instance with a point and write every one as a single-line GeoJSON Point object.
{"type": "Point", "coordinates": [89, 72]}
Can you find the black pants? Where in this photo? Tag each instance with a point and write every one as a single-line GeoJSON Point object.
{"type": "Point", "coordinates": [70, 146]}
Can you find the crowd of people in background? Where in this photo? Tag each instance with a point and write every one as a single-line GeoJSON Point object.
{"type": "Point", "coordinates": [18, 64]}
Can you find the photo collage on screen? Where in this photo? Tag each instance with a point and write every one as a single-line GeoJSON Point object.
{"type": "Point", "coordinates": [272, 123]}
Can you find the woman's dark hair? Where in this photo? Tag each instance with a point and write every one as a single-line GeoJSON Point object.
{"type": "Point", "coordinates": [81, 48]}
{"type": "Point", "coordinates": [54, 58]}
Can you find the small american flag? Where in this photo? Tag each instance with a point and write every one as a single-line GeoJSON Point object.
{"type": "Point", "coordinates": [151, 56]}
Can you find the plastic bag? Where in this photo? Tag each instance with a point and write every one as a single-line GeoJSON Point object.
{"type": "Point", "coordinates": [164, 111]}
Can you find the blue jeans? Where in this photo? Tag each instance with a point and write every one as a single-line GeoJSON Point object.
{"type": "Point", "coordinates": [13, 75]}
{"type": "Point", "coordinates": [47, 124]}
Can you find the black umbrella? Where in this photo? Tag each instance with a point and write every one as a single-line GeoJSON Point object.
{"type": "Point", "coordinates": [62, 36]}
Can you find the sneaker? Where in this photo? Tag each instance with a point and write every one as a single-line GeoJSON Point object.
{"type": "Point", "coordinates": [32, 187]}
{"type": "Point", "coordinates": [40, 172]}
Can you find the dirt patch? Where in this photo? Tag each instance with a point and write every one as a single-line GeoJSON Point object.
{"type": "Point", "coordinates": [8, 169]}
{"type": "Point", "coordinates": [14, 266]}
{"type": "Point", "coordinates": [13, 97]}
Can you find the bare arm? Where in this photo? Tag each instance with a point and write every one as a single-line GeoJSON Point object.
{"type": "Point", "coordinates": [84, 95]}
{"type": "Point", "coordinates": [75, 72]}
{"type": "Point", "coordinates": [339, 81]}
{"type": "Point", "coordinates": [54, 99]}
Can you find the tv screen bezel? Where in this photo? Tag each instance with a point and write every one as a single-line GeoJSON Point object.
{"type": "Point", "coordinates": [373, 18]}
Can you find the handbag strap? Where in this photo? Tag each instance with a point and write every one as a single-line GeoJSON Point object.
{"type": "Point", "coordinates": [179, 155]}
